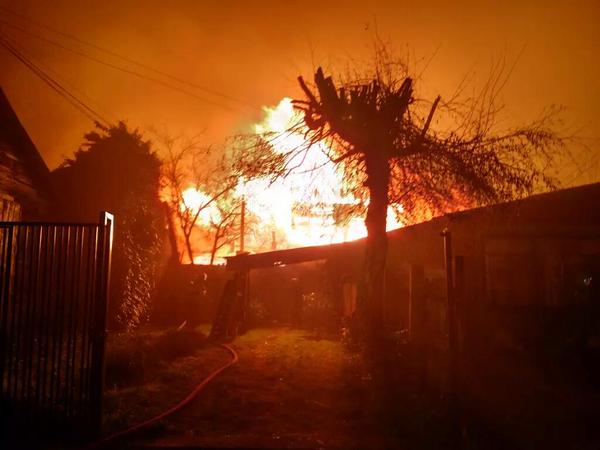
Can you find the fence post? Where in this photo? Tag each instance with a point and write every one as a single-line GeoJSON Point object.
{"type": "Point", "coordinates": [103, 258]}
{"type": "Point", "coordinates": [415, 304]}
{"type": "Point", "coordinates": [451, 290]}
{"type": "Point", "coordinates": [241, 306]}
{"type": "Point", "coordinates": [5, 291]}
{"type": "Point", "coordinates": [451, 317]}
{"type": "Point", "coordinates": [461, 303]}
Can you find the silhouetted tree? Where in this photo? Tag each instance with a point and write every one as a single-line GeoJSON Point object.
{"type": "Point", "coordinates": [224, 226]}
{"type": "Point", "coordinates": [190, 165]}
{"type": "Point", "coordinates": [385, 141]}
{"type": "Point", "coordinates": [116, 170]}
{"type": "Point", "coordinates": [392, 155]}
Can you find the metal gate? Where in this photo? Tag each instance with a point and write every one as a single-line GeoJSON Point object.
{"type": "Point", "coordinates": [53, 291]}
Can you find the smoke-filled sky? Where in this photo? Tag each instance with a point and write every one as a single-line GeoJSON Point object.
{"type": "Point", "coordinates": [253, 52]}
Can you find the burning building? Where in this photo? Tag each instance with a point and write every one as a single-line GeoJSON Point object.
{"type": "Point", "coordinates": [520, 262]}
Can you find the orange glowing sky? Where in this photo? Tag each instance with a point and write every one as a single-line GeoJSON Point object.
{"type": "Point", "coordinates": [255, 50]}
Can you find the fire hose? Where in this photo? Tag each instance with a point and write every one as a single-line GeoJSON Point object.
{"type": "Point", "coordinates": [110, 439]}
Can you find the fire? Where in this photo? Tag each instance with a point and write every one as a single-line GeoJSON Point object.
{"type": "Point", "coordinates": [301, 206]}
{"type": "Point", "coordinates": [295, 211]}
{"type": "Point", "coordinates": [195, 200]}
{"type": "Point", "coordinates": [205, 260]}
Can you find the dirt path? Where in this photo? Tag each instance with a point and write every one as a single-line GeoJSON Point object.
{"type": "Point", "coordinates": [290, 389]}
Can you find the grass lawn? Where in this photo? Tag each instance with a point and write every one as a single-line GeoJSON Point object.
{"type": "Point", "coordinates": [150, 370]}
{"type": "Point", "coordinates": [290, 389]}
{"type": "Point", "coordinates": [300, 389]}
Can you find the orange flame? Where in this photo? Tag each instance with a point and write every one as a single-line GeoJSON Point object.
{"type": "Point", "coordinates": [195, 200]}
{"type": "Point", "coordinates": [316, 185]}
{"type": "Point", "coordinates": [295, 211]}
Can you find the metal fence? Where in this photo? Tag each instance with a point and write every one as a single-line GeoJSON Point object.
{"type": "Point", "coordinates": [53, 291]}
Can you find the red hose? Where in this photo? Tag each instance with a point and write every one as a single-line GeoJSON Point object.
{"type": "Point", "coordinates": [191, 396]}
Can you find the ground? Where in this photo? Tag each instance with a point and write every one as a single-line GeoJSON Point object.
{"type": "Point", "coordinates": [290, 389]}
{"type": "Point", "coordinates": [150, 370]}
{"type": "Point", "coordinates": [512, 403]}
{"type": "Point", "coordinates": [302, 389]}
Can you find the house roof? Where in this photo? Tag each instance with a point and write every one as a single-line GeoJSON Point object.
{"type": "Point", "coordinates": [575, 203]}
{"type": "Point", "coordinates": [20, 144]}
{"type": "Point", "coordinates": [573, 206]}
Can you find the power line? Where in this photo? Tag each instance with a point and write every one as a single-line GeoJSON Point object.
{"type": "Point", "coordinates": [56, 86]}
{"type": "Point", "coordinates": [37, 57]}
{"type": "Point", "coordinates": [119, 68]}
{"type": "Point", "coordinates": [125, 58]}
{"type": "Point", "coordinates": [122, 57]}
{"type": "Point", "coordinates": [80, 105]}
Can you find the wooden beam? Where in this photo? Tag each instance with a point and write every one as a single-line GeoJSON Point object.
{"type": "Point", "coordinates": [283, 257]}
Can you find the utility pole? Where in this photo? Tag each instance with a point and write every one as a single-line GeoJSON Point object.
{"type": "Point", "coordinates": [242, 224]}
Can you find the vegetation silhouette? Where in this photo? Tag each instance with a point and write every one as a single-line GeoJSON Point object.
{"type": "Point", "coordinates": [421, 158]}
{"type": "Point", "coordinates": [188, 164]}
{"type": "Point", "coordinates": [116, 170]}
